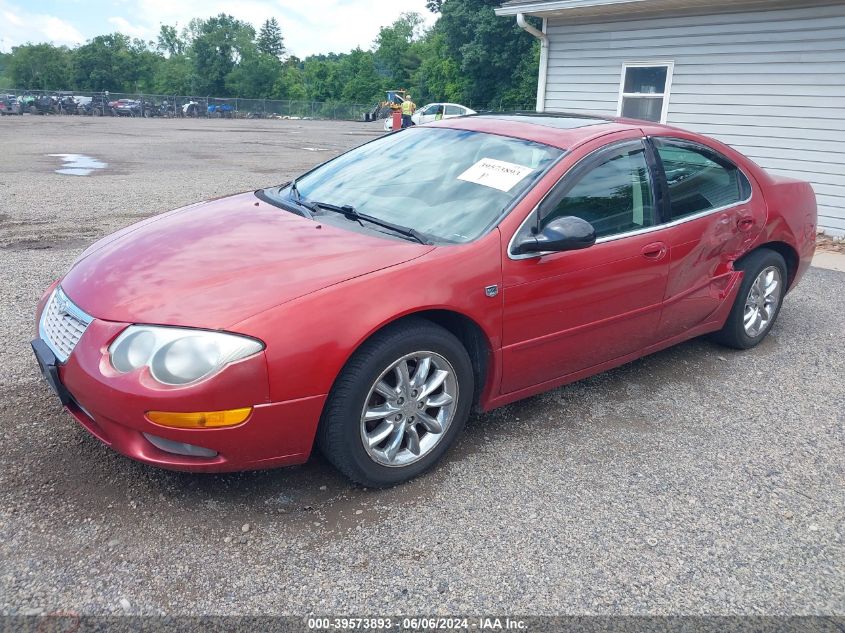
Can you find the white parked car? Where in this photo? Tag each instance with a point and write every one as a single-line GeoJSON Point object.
{"type": "Point", "coordinates": [428, 113]}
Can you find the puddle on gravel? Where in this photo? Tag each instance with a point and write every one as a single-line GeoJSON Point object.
{"type": "Point", "coordinates": [78, 164]}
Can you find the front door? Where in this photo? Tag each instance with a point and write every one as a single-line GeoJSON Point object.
{"type": "Point", "coordinates": [566, 312]}
{"type": "Point", "coordinates": [427, 115]}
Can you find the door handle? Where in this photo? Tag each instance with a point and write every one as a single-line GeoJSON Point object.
{"type": "Point", "coordinates": [654, 251]}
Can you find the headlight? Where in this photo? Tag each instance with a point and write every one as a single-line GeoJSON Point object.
{"type": "Point", "coordinates": [178, 356]}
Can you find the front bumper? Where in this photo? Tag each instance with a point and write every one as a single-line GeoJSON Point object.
{"type": "Point", "coordinates": [112, 407]}
{"type": "Point", "coordinates": [271, 437]}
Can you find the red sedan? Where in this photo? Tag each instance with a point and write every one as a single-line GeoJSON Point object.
{"type": "Point", "coordinates": [369, 305]}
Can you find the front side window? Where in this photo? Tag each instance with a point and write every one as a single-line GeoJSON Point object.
{"type": "Point", "coordinates": [699, 179]}
{"type": "Point", "coordinates": [615, 195]}
{"type": "Point", "coordinates": [644, 91]}
{"type": "Point", "coordinates": [451, 185]}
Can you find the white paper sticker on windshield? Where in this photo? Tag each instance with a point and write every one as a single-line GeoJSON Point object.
{"type": "Point", "coordinates": [497, 174]}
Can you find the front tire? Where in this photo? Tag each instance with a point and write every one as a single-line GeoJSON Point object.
{"type": "Point", "coordinates": [758, 301]}
{"type": "Point", "coordinates": [398, 405]}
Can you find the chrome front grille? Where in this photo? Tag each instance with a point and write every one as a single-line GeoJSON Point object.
{"type": "Point", "coordinates": [62, 324]}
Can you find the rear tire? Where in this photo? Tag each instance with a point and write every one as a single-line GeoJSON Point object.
{"type": "Point", "coordinates": [758, 301]}
{"type": "Point", "coordinates": [380, 429]}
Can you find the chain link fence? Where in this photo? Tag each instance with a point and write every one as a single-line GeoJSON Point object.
{"type": "Point", "coordinates": [174, 106]}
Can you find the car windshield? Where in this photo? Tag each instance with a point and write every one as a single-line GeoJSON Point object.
{"type": "Point", "coordinates": [450, 185]}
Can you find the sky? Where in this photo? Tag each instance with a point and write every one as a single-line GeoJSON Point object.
{"type": "Point", "coordinates": [310, 26]}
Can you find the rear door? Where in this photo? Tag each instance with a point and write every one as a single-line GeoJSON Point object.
{"type": "Point", "coordinates": [453, 111]}
{"type": "Point", "coordinates": [710, 214]}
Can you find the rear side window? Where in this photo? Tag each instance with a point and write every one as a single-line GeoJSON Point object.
{"type": "Point", "coordinates": [453, 110]}
{"type": "Point", "coordinates": [699, 178]}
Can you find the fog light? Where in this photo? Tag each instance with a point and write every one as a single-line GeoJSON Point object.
{"type": "Point", "coordinates": [179, 448]}
{"type": "Point", "coordinates": [200, 419]}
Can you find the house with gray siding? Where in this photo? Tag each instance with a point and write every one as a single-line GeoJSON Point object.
{"type": "Point", "coordinates": [765, 76]}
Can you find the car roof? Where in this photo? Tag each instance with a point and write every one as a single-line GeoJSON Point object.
{"type": "Point", "coordinates": [562, 130]}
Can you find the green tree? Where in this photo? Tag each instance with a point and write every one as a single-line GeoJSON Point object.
{"type": "Point", "coordinates": [175, 76]}
{"type": "Point", "coordinates": [439, 76]}
{"type": "Point", "coordinates": [5, 79]}
{"type": "Point", "coordinates": [169, 41]}
{"type": "Point", "coordinates": [487, 48]}
{"type": "Point", "coordinates": [40, 66]}
{"type": "Point", "coordinates": [270, 40]}
{"type": "Point", "coordinates": [192, 32]}
{"type": "Point", "coordinates": [217, 46]}
{"type": "Point", "coordinates": [320, 74]}
{"type": "Point", "coordinates": [394, 51]}
{"type": "Point", "coordinates": [521, 94]}
{"type": "Point", "coordinates": [255, 76]}
{"type": "Point", "coordinates": [115, 63]}
{"type": "Point", "coordinates": [469, 56]}
{"type": "Point", "coordinates": [290, 84]}
{"type": "Point", "coordinates": [361, 83]}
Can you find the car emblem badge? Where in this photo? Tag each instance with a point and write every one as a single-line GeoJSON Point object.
{"type": "Point", "coordinates": [61, 306]}
{"type": "Point", "coordinates": [491, 291]}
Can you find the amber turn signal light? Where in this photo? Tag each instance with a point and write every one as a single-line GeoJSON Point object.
{"type": "Point", "coordinates": [200, 419]}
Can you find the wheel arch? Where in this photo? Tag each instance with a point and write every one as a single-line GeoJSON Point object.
{"type": "Point", "coordinates": [471, 335]}
{"type": "Point", "coordinates": [789, 254]}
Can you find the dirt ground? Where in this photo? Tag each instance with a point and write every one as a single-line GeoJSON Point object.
{"type": "Point", "coordinates": [696, 481]}
{"type": "Point", "coordinates": [825, 243]}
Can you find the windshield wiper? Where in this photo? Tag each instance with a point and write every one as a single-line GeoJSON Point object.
{"type": "Point", "coordinates": [307, 209]}
{"type": "Point", "coordinates": [351, 213]}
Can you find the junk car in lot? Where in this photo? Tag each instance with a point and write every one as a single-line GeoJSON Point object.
{"type": "Point", "coordinates": [191, 109]}
{"type": "Point", "coordinates": [127, 107]}
{"type": "Point", "coordinates": [40, 104]}
{"type": "Point", "coordinates": [220, 110]}
{"type": "Point", "coordinates": [433, 112]}
{"type": "Point", "coordinates": [96, 105]}
{"type": "Point", "coordinates": [368, 309]}
{"type": "Point", "coordinates": [68, 103]}
{"type": "Point", "coordinates": [9, 104]}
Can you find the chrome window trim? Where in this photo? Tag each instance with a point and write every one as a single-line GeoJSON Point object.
{"type": "Point", "coordinates": [643, 231]}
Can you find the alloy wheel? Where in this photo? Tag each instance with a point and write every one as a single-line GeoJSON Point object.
{"type": "Point", "coordinates": [409, 409]}
{"type": "Point", "coordinates": [762, 302]}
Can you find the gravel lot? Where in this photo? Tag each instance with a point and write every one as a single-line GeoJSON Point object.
{"type": "Point", "coordinates": [698, 480]}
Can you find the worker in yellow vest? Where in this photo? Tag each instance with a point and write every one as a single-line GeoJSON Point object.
{"type": "Point", "coordinates": [408, 108]}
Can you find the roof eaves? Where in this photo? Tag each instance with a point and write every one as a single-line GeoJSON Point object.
{"type": "Point", "coordinates": [543, 6]}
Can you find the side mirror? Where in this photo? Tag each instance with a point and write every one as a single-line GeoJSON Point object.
{"type": "Point", "coordinates": [561, 234]}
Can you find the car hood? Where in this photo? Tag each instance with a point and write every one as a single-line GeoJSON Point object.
{"type": "Point", "coordinates": [216, 263]}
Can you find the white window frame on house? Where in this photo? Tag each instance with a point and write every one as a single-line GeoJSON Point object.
{"type": "Point", "coordinates": [667, 89]}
